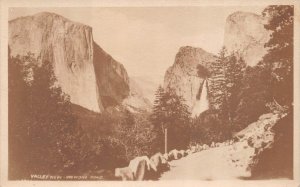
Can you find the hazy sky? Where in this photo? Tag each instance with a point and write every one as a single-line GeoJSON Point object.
{"type": "Point", "coordinates": [146, 39]}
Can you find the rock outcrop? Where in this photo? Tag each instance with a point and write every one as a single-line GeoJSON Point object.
{"type": "Point", "coordinates": [255, 140]}
{"type": "Point", "coordinates": [276, 159]}
{"type": "Point", "coordinates": [91, 77]}
{"type": "Point", "coordinates": [184, 76]}
{"type": "Point", "coordinates": [245, 35]}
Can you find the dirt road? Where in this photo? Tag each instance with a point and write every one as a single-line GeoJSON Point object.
{"type": "Point", "coordinates": [209, 164]}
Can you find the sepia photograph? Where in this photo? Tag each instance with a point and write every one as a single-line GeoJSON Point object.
{"type": "Point", "coordinates": [150, 93]}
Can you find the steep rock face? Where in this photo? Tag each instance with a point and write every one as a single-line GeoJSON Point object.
{"type": "Point", "coordinates": [84, 71]}
{"type": "Point", "coordinates": [245, 34]}
{"type": "Point", "coordinates": [112, 78]}
{"type": "Point", "coordinates": [183, 76]}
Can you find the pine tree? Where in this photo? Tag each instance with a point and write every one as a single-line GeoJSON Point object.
{"type": "Point", "coordinates": [279, 59]}
{"type": "Point", "coordinates": [18, 104]}
{"type": "Point", "coordinates": [234, 70]}
{"type": "Point", "coordinates": [224, 88]}
{"type": "Point", "coordinates": [48, 130]}
{"type": "Point", "coordinates": [217, 82]}
{"type": "Point", "coordinates": [158, 117]}
{"type": "Point", "coordinates": [170, 112]}
{"type": "Point", "coordinates": [277, 64]}
{"type": "Point", "coordinates": [178, 120]}
{"type": "Point", "coordinates": [53, 124]}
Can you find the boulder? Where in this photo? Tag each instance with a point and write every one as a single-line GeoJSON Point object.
{"type": "Point", "coordinates": [174, 154]}
{"type": "Point", "coordinates": [205, 147]}
{"type": "Point", "coordinates": [183, 153]}
{"type": "Point", "coordinates": [166, 156]}
{"type": "Point", "coordinates": [226, 143]}
{"type": "Point", "coordinates": [125, 173]}
{"type": "Point", "coordinates": [142, 167]}
{"type": "Point", "coordinates": [157, 159]}
{"type": "Point", "coordinates": [193, 149]}
{"type": "Point", "coordinates": [199, 148]}
{"type": "Point", "coordinates": [213, 144]}
{"type": "Point", "coordinates": [159, 162]}
{"type": "Point", "coordinates": [188, 152]}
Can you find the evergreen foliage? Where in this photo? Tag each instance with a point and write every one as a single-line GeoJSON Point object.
{"type": "Point", "coordinates": [279, 59]}
{"type": "Point", "coordinates": [42, 130]}
{"type": "Point", "coordinates": [170, 112]}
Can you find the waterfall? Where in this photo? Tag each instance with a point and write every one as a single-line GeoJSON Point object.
{"type": "Point", "coordinates": [202, 103]}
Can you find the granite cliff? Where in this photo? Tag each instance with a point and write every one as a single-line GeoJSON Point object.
{"type": "Point", "coordinates": [91, 77]}
{"type": "Point", "coordinates": [184, 76]}
{"type": "Point", "coordinates": [245, 35]}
